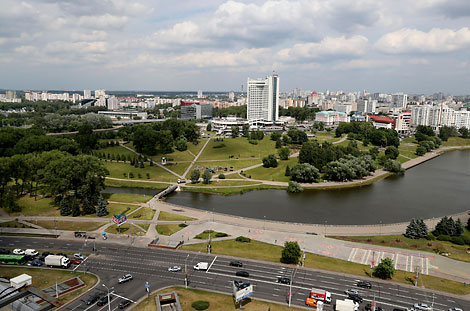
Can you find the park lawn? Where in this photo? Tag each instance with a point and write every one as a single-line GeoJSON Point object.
{"type": "Point", "coordinates": [218, 302]}
{"type": "Point", "coordinates": [135, 184]}
{"type": "Point", "coordinates": [238, 148]}
{"type": "Point", "coordinates": [219, 166]}
{"type": "Point", "coordinates": [456, 141]}
{"type": "Point", "coordinates": [268, 252]}
{"type": "Point", "coordinates": [117, 170]}
{"type": "Point", "coordinates": [40, 207]}
{"type": "Point", "coordinates": [178, 168]}
{"type": "Point", "coordinates": [168, 229]}
{"type": "Point", "coordinates": [175, 156]}
{"type": "Point", "coordinates": [224, 183]}
{"type": "Point", "coordinates": [13, 224]}
{"type": "Point", "coordinates": [117, 208]}
{"type": "Point", "coordinates": [126, 197]}
{"type": "Point", "coordinates": [116, 150]}
{"type": "Point", "coordinates": [145, 213]}
{"type": "Point", "coordinates": [230, 176]}
{"type": "Point", "coordinates": [402, 159]}
{"type": "Point", "coordinates": [69, 225]}
{"type": "Point", "coordinates": [213, 234]}
{"type": "Point", "coordinates": [43, 278]}
{"type": "Point", "coordinates": [232, 190]}
{"type": "Point", "coordinates": [196, 148]}
{"type": "Point", "coordinates": [273, 173]}
{"type": "Point", "coordinates": [126, 228]}
{"type": "Point", "coordinates": [173, 217]}
{"type": "Point", "coordinates": [144, 226]}
{"type": "Point", "coordinates": [458, 252]}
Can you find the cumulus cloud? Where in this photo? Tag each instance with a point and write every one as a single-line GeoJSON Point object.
{"type": "Point", "coordinates": [415, 41]}
{"type": "Point", "coordinates": [327, 48]}
{"type": "Point", "coordinates": [366, 64]}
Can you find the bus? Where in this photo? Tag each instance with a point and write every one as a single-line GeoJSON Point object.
{"type": "Point", "coordinates": [13, 259]}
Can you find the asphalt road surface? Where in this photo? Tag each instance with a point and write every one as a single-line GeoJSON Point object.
{"type": "Point", "coordinates": [151, 265]}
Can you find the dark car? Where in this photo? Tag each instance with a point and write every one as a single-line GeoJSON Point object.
{"type": "Point", "coordinates": [368, 307]}
{"type": "Point", "coordinates": [364, 284]}
{"type": "Point", "coordinates": [355, 298]}
{"type": "Point", "coordinates": [93, 299]}
{"type": "Point", "coordinates": [4, 251]}
{"type": "Point", "coordinates": [37, 263]}
{"type": "Point", "coordinates": [236, 263]}
{"type": "Point", "coordinates": [62, 254]}
{"type": "Point", "coordinates": [283, 280]}
{"type": "Point", "coordinates": [47, 254]}
{"type": "Point", "coordinates": [104, 300]}
{"type": "Point", "coordinates": [242, 273]}
{"type": "Point", "coordinates": [124, 303]}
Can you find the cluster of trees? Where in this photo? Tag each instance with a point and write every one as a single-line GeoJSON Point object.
{"type": "Point", "coordinates": [239, 111]}
{"type": "Point", "coordinates": [56, 123]}
{"type": "Point", "coordinates": [448, 226]}
{"type": "Point", "coordinates": [427, 140]}
{"type": "Point", "coordinates": [206, 176]}
{"type": "Point", "coordinates": [304, 172]}
{"type": "Point", "coordinates": [270, 161]}
{"type": "Point", "coordinates": [294, 136]}
{"type": "Point", "coordinates": [416, 229]}
{"type": "Point", "coordinates": [163, 136]}
{"type": "Point", "coordinates": [451, 131]}
{"type": "Point", "coordinates": [349, 168]}
{"type": "Point", "coordinates": [366, 132]}
{"type": "Point", "coordinates": [299, 113]}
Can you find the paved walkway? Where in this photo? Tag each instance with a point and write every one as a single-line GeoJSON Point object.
{"type": "Point", "coordinates": [195, 159]}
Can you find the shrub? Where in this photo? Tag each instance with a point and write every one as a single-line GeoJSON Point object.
{"type": "Point", "coordinates": [220, 234]}
{"type": "Point", "coordinates": [219, 146]}
{"type": "Point", "coordinates": [182, 225]}
{"type": "Point", "coordinates": [457, 240]}
{"type": "Point", "coordinates": [221, 176]}
{"type": "Point", "coordinates": [443, 237]}
{"type": "Point", "coordinates": [200, 305]}
{"type": "Point", "coordinates": [253, 142]}
{"type": "Point", "coordinates": [243, 239]}
{"type": "Point", "coordinates": [270, 161]}
{"type": "Point", "coordinates": [294, 187]}
{"type": "Point", "coordinates": [466, 239]}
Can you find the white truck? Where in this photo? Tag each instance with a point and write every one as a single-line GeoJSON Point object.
{"type": "Point", "coordinates": [57, 261]}
{"type": "Point", "coordinates": [203, 266]}
{"type": "Point", "coordinates": [31, 252]}
{"type": "Point", "coordinates": [346, 305]}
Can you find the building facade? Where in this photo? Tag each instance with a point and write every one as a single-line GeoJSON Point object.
{"type": "Point", "coordinates": [263, 99]}
{"type": "Point", "coordinates": [190, 110]}
{"type": "Point", "coordinates": [330, 118]}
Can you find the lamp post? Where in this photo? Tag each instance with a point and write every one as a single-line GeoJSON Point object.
{"type": "Point", "coordinates": [109, 301]}
{"type": "Point", "coordinates": [264, 223]}
{"type": "Point", "coordinates": [186, 272]}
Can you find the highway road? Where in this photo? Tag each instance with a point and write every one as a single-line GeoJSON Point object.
{"type": "Point", "coordinates": [151, 265]}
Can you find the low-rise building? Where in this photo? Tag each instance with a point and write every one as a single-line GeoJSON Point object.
{"type": "Point", "coordinates": [382, 122]}
{"type": "Point", "coordinates": [330, 118]}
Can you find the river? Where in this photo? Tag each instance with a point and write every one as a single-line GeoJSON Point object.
{"type": "Point", "coordinates": [435, 188]}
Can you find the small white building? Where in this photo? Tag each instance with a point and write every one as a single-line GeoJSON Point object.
{"type": "Point", "coordinates": [21, 280]}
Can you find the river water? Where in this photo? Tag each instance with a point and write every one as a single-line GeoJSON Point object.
{"type": "Point", "coordinates": [435, 188]}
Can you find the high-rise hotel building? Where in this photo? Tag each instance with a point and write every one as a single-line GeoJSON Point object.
{"type": "Point", "coordinates": [263, 99]}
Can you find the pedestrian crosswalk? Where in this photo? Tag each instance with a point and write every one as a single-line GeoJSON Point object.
{"type": "Point", "coordinates": [402, 260]}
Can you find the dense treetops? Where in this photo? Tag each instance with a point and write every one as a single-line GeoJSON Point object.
{"type": "Point", "coordinates": [366, 132]}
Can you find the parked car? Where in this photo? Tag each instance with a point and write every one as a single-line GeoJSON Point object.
{"type": "Point", "coordinates": [62, 254]}
{"type": "Point", "coordinates": [244, 274]}
{"type": "Point", "coordinates": [4, 251]}
{"type": "Point", "coordinates": [125, 278]}
{"type": "Point", "coordinates": [351, 291]}
{"type": "Point", "coordinates": [92, 299]}
{"type": "Point", "coordinates": [236, 263]}
{"type": "Point", "coordinates": [78, 256]}
{"type": "Point", "coordinates": [181, 181]}
{"type": "Point", "coordinates": [368, 307]}
{"type": "Point", "coordinates": [75, 261]}
{"type": "Point", "coordinates": [455, 309]}
{"type": "Point", "coordinates": [364, 284]}
{"type": "Point", "coordinates": [283, 280]}
{"type": "Point", "coordinates": [47, 254]}
{"type": "Point", "coordinates": [37, 263]}
{"type": "Point", "coordinates": [104, 300]}
{"type": "Point", "coordinates": [174, 269]}
{"type": "Point", "coordinates": [124, 303]}
{"type": "Point", "coordinates": [31, 252]}
{"type": "Point", "coordinates": [18, 251]}
{"type": "Point", "coordinates": [422, 306]}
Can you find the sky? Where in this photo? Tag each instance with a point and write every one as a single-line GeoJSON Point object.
{"type": "Point", "coordinates": [419, 46]}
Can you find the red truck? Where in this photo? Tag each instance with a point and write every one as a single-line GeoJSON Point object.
{"type": "Point", "coordinates": [320, 294]}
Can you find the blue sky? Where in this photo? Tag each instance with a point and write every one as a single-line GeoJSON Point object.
{"type": "Point", "coordinates": [419, 46]}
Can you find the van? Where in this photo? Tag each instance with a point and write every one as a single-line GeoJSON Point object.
{"type": "Point", "coordinates": [31, 252]}
{"type": "Point", "coordinates": [201, 266]}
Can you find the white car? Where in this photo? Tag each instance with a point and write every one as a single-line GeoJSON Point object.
{"type": "Point", "coordinates": [78, 256]}
{"type": "Point", "coordinates": [18, 251]}
{"type": "Point", "coordinates": [455, 309]}
{"type": "Point", "coordinates": [125, 278]}
{"type": "Point", "coordinates": [351, 292]}
{"type": "Point", "coordinates": [174, 269]}
{"type": "Point", "coordinates": [422, 306]}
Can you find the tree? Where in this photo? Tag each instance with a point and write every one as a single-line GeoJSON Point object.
{"type": "Point", "coordinates": [64, 207]}
{"type": "Point", "coordinates": [393, 166]}
{"type": "Point", "coordinates": [235, 131]}
{"type": "Point", "coordinates": [209, 127]}
{"type": "Point", "coordinates": [195, 174]}
{"type": "Point", "coordinates": [374, 152]}
{"type": "Point", "coordinates": [287, 173]}
{"type": "Point", "coordinates": [270, 161]}
{"type": "Point", "coordinates": [464, 132]}
{"type": "Point", "coordinates": [447, 131]}
{"type": "Point", "coordinates": [181, 144]}
{"type": "Point", "coordinates": [304, 172]}
{"type": "Point", "coordinates": [447, 226]}
{"type": "Point", "coordinates": [468, 223]}
{"type": "Point", "coordinates": [85, 138]}
{"type": "Point", "coordinates": [385, 269]}
{"type": "Point", "coordinates": [294, 187]}
{"type": "Point", "coordinates": [297, 136]}
{"type": "Point", "coordinates": [284, 153]}
{"type": "Point", "coordinates": [392, 152]}
{"type": "Point", "coordinates": [101, 209]}
{"type": "Point", "coordinates": [206, 177]}
{"type": "Point", "coordinates": [276, 136]}
{"type": "Point", "coordinates": [278, 144]}
{"type": "Point", "coordinates": [420, 151]}
{"type": "Point", "coordinates": [416, 229]}
{"type": "Point", "coordinates": [291, 253]}
{"type": "Point", "coordinates": [246, 130]}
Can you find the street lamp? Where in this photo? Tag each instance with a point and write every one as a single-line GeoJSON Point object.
{"type": "Point", "coordinates": [186, 272]}
{"type": "Point", "coordinates": [109, 301]}
{"type": "Point", "coordinates": [264, 223]}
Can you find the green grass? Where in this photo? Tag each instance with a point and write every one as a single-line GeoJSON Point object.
{"type": "Point", "coordinates": [218, 302]}
{"type": "Point", "coordinates": [456, 141]}
{"type": "Point", "coordinates": [239, 148]}
{"type": "Point", "coordinates": [173, 217]}
{"type": "Point", "coordinates": [134, 184]}
{"type": "Point", "coordinates": [268, 252]}
{"type": "Point", "coordinates": [276, 174]}
{"type": "Point", "coordinates": [231, 190]}
{"type": "Point", "coordinates": [126, 229]}
{"type": "Point", "coordinates": [69, 225]}
{"type": "Point", "coordinates": [196, 148]}
{"type": "Point", "coordinates": [224, 183]}
{"type": "Point", "coordinates": [116, 150]}
{"type": "Point", "coordinates": [116, 208]}
{"type": "Point", "coordinates": [175, 156]}
{"type": "Point", "coordinates": [458, 252]}
{"type": "Point", "coordinates": [42, 278]}
{"type": "Point", "coordinates": [145, 213]}
{"type": "Point", "coordinates": [178, 168]}
{"type": "Point", "coordinates": [127, 197]}
{"type": "Point", "coordinates": [236, 164]}
{"type": "Point", "coordinates": [157, 173]}
{"type": "Point", "coordinates": [40, 207]}
{"type": "Point", "coordinates": [13, 224]}
{"type": "Point", "coordinates": [205, 234]}
{"type": "Point", "coordinates": [168, 229]}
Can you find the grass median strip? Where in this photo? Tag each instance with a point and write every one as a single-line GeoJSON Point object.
{"type": "Point", "coordinates": [69, 225]}
{"type": "Point", "coordinates": [169, 229]}
{"type": "Point", "coordinates": [127, 197]}
{"type": "Point", "coordinates": [268, 252]}
{"type": "Point", "coordinates": [173, 217]}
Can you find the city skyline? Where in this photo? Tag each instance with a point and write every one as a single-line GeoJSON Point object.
{"type": "Point", "coordinates": [145, 45]}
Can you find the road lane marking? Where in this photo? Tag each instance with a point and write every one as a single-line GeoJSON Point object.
{"type": "Point", "coordinates": [211, 264]}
